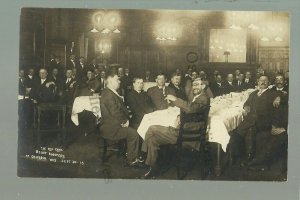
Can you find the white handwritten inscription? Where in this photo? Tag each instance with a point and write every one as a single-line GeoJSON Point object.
{"type": "Point", "coordinates": [50, 154]}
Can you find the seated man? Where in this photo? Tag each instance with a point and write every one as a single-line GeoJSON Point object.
{"type": "Point", "coordinates": [159, 135]}
{"type": "Point", "coordinates": [217, 86]}
{"type": "Point", "coordinates": [68, 88]}
{"type": "Point", "coordinates": [259, 107]}
{"type": "Point", "coordinates": [249, 82]}
{"type": "Point", "coordinates": [139, 102]}
{"type": "Point", "coordinates": [272, 144]}
{"type": "Point", "coordinates": [239, 83]}
{"type": "Point", "coordinates": [176, 86]}
{"type": "Point", "coordinates": [44, 90]}
{"type": "Point", "coordinates": [229, 85]}
{"type": "Point", "coordinates": [116, 119]}
{"type": "Point", "coordinates": [158, 93]}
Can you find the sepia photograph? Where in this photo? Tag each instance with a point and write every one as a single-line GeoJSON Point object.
{"type": "Point", "coordinates": [153, 94]}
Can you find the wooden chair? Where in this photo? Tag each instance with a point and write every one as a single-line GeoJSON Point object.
{"type": "Point", "coordinates": [193, 135]}
{"type": "Point", "coordinates": [61, 121]}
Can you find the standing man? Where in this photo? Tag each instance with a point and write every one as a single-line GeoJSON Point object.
{"type": "Point", "coordinates": [72, 63]}
{"type": "Point", "coordinates": [115, 124]}
{"type": "Point", "coordinates": [158, 93]}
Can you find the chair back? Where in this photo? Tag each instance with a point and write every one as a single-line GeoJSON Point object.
{"type": "Point", "coordinates": [193, 126]}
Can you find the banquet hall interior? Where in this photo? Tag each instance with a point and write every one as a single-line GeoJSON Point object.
{"type": "Point", "coordinates": [77, 49]}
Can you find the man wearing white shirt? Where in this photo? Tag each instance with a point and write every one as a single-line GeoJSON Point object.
{"type": "Point", "coordinates": [44, 90]}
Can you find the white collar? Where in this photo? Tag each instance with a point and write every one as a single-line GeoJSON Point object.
{"type": "Point", "coordinates": [30, 76]}
{"type": "Point", "coordinates": [43, 80]}
{"type": "Point", "coordinates": [280, 89]}
{"type": "Point", "coordinates": [262, 91]}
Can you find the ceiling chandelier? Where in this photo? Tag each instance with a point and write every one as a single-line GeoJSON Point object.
{"type": "Point", "coordinates": [106, 23]}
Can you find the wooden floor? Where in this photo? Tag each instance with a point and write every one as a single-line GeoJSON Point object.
{"type": "Point", "coordinates": [85, 151]}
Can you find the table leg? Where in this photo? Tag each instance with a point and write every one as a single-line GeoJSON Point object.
{"type": "Point", "coordinates": [218, 165]}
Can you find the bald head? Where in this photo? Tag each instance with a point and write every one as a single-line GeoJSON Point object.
{"type": "Point", "coordinates": [263, 82]}
{"type": "Point", "coordinates": [113, 82]}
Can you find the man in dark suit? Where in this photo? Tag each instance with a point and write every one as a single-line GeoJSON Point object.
{"type": "Point", "coordinates": [55, 77]}
{"type": "Point", "coordinates": [159, 135]}
{"type": "Point", "coordinates": [259, 107]}
{"type": "Point", "coordinates": [217, 87]}
{"type": "Point", "coordinates": [148, 76]}
{"type": "Point", "coordinates": [280, 115]}
{"type": "Point", "coordinates": [81, 71]}
{"type": "Point", "coordinates": [44, 89]}
{"type": "Point", "coordinates": [249, 82]}
{"type": "Point", "coordinates": [93, 65]}
{"type": "Point", "coordinates": [236, 74]}
{"type": "Point", "coordinates": [271, 145]}
{"type": "Point", "coordinates": [72, 63]}
{"type": "Point", "coordinates": [228, 84]}
{"type": "Point", "coordinates": [68, 87]}
{"type": "Point", "coordinates": [52, 63]}
{"type": "Point", "coordinates": [60, 67]}
{"type": "Point", "coordinates": [102, 81]}
{"type": "Point", "coordinates": [158, 93]}
{"type": "Point", "coordinates": [239, 83]}
{"type": "Point", "coordinates": [138, 102]}
{"type": "Point", "coordinates": [22, 88]}
{"type": "Point", "coordinates": [25, 105]}
{"type": "Point", "coordinates": [175, 84]}
{"type": "Point", "coordinates": [30, 79]}
{"type": "Point", "coordinates": [115, 124]}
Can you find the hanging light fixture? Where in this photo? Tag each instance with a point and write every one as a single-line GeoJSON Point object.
{"type": "Point", "coordinates": [116, 31]}
{"type": "Point", "coordinates": [94, 30]}
{"type": "Point", "coordinates": [105, 31]}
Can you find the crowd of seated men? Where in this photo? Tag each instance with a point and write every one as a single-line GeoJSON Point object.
{"type": "Point", "coordinates": [120, 92]}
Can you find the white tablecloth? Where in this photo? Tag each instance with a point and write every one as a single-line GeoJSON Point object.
{"type": "Point", "coordinates": [165, 117]}
{"type": "Point", "coordinates": [225, 115]}
{"type": "Point", "coordinates": [88, 103]}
